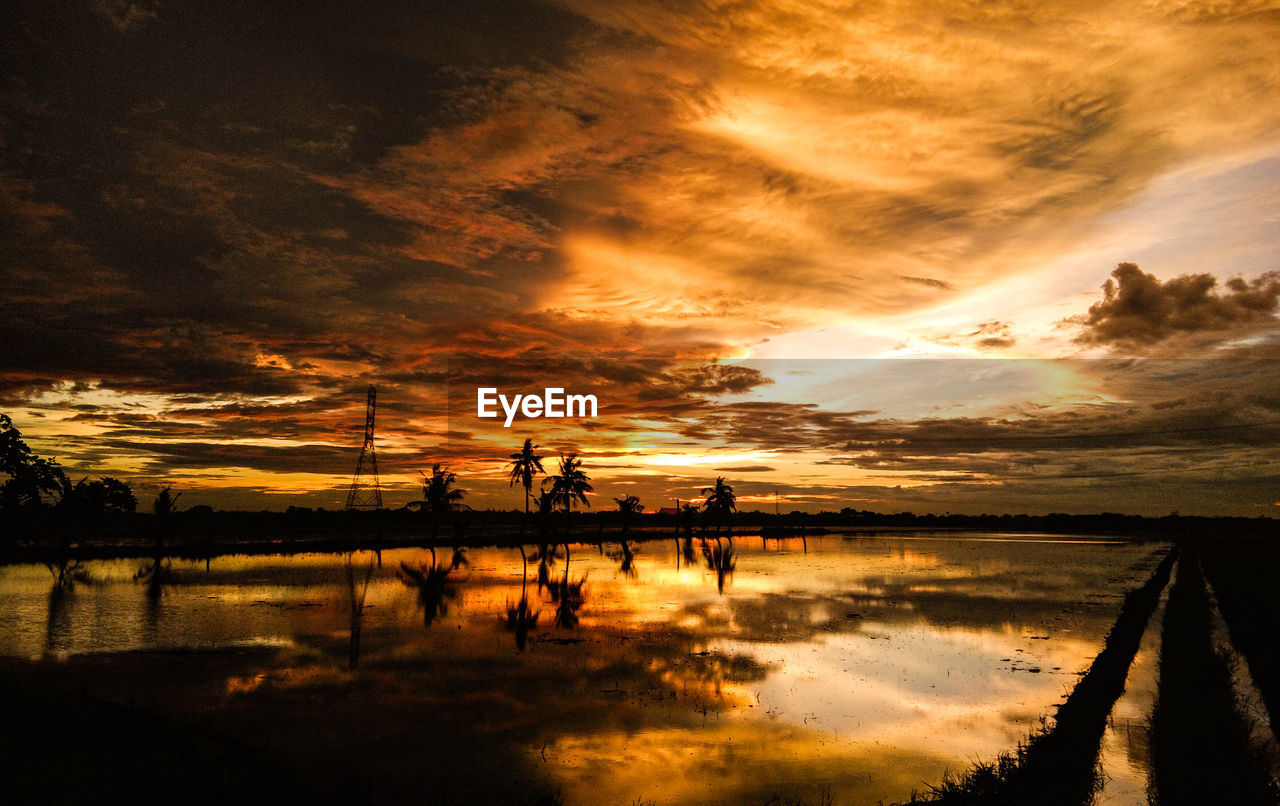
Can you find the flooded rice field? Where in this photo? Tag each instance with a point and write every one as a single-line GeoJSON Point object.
{"type": "Point", "coordinates": [851, 668]}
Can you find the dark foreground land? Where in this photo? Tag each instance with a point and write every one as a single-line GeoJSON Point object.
{"type": "Point", "coordinates": [85, 732]}
{"type": "Point", "coordinates": [162, 727]}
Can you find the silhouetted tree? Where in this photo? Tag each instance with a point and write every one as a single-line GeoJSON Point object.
{"type": "Point", "coordinates": [439, 496]}
{"type": "Point", "coordinates": [30, 478]}
{"type": "Point", "coordinates": [628, 505]}
{"type": "Point", "coordinates": [524, 464]}
{"type": "Point", "coordinates": [721, 503]}
{"type": "Point", "coordinates": [568, 485]}
{"type": "Point", "coordinates": [545, 502]}
{"type": "Point", "coordinates": [165, 505]}
{"type": "Point", "coordinates": [687, 515]}
{"type": "Point", "coordinates": [89, 502]}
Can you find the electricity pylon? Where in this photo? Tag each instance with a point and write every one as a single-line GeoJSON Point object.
{"type": "Point", "coordinates": [365, 491]}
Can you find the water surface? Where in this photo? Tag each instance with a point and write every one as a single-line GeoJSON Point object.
{"type": "Point", "coordinates": [671, 672]}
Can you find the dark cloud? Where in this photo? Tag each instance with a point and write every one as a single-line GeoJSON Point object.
{"type": "Point", "coordinates": [188, 188]}
{"type": "Point", "coordinates": [993, 335]}
{"type": "Point", "coordinates": [929, 282]}
{"type": "Point", "coordinates": [1138, 310]}
{"type": "Point", "coordinates": [716, 379]}
{"type": "Point", "coordinates": [1180, 417]}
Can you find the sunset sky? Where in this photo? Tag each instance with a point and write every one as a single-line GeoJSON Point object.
{"type": "Point", "coordinates": [937, 256]}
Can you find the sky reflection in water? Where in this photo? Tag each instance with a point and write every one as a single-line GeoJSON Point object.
{"type": "Point", "coordinates": [868, 666]}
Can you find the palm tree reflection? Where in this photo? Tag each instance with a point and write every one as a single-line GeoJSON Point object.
{"type": "Point", "coordinates": [687, 549]}
{"type": "Point", "coordinates": [434, 585]}
{"type": "Point", "coordinates": [721, 559]}
{"type": "Point", "coordinates": [567, 596]}
{"type": "Point", "coordinates": [628, 560]}
{"type": "Point", "coordinates": [568, 599]}
{"type": "Point", "coordinates": [519, 618]}
{"type": "Point", "coordinates": [546, 556]}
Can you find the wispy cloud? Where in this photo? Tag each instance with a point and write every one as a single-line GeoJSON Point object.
{"type": "Point", "coordinates": [233, 235]}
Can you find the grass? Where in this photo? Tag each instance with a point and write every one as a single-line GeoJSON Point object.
{"type": "Point", "coordinates": [1201, 751]}
{"type": "Point", "coordinates": [1243, 575]}
{"type": "Point", "coordinates": [1057, 766]}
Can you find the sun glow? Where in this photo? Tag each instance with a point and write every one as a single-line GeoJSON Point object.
{"type": "Point", "coordinates": [694, 459]}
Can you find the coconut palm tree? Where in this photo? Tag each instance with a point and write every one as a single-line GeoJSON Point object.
{"type": "Point", "coordinates": [720, 503]}
{"type": "Point", "coordinates": [687, 516]}
{"type": "Point", "coordinates": [569, 484]}
{"type": "Point", "coordinates": [165, 505]}
{"type": "Point", "coordinates": [439, 496]}
{"type": "Point", "coordinates": [524, 464]}
{"type": "Point", "coordinates": [628, 505]}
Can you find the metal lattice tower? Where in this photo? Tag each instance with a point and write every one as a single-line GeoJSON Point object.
{"type": "Point", "coordinates": [366, 493]}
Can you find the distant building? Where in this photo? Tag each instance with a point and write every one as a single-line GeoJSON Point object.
{"type": "Point", "coordinates": [666, 511]}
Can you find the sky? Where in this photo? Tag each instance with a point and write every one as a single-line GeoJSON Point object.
{"type": "Point", "coordinates": [957, 256]}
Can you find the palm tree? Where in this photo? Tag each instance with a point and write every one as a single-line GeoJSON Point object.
{"type": "Point", "coordinates": [165, 505]}
{"type": "Point", "coordinates": [720, 503]}
{"type": "Point", "coordinates": [628, 505]}
{"type": "Point", "coordinates": [439, 495]}
{"type": "Point", "coordinates": [687, 515]}
{"type": "Point", "coordinates": [571, 483]}
{"type": "Point", "coordinates": [523, 466]}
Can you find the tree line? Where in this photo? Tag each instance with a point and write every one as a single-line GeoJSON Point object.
{"type": "Point", "coordinates": [35, 487]}
{"type": "Point", "coordinates": [558, 492]}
